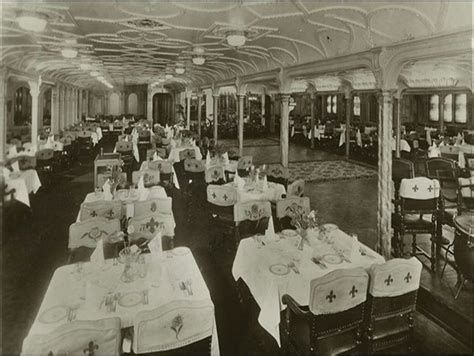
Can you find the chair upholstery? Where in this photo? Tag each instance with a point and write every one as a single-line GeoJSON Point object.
{"type": "Point", "coordinates": [435, 164]}
{"type": "Point", "coordinates": [96, 337]}
{"type": "Point", "coordinates": [187, 154]}
{"type": "Point", "coordinates": [391, 303]}
{"type": "Point", "coordinates": [221, 200]}
{"type": "Point", "coordinates": [333, 321]}
{"type": "Point", "coordinates": [146, 227]}
{"type": "Point", "coordinates": [181, 326]}
{"type": "Point", "coordinates": [282, 210]}
{"type": "Point", "coordinates": [86, 233]}
{"type": "Point", "coordinates": [102, 208]}
{"type": "Point", "coordinates": [215, 175]}
{"type": "Point", "coordinates": [124, 147]}
{"type": "Point", "coordinates": [153, 206]}
{"type": "Point", "coordinates": [296, 189]}
{"type": "Point", "coordinates": [243, 165]}
{"type": "Point", "coordinates": [151, 177]}
{"type": "Point", "coordinates": [26, 162]}
{"type": "Point", "coordinates": [251, 217]}
{"type": "Point", "coordinates": [276, 173]}
{"type": "Point", "coordinates": [449, 152]}
{"type": "Point", "coordinates": [466, 192]}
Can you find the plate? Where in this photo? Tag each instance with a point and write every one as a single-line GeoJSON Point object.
{"type": "Point", "coordinates": [180, 251]}
{"type": "Point", "coordinates": [289, 233]}
{"type": "Point", "coordinates": [130, 299]}
{"type": "Point", "coordinates": [330, 227]}
{"type": "Point", "coordinates": [279, 269]}
{"type": "Point", "coordinates": [332, 259]}
{"type": "Point", "coordinates": [54, 314]}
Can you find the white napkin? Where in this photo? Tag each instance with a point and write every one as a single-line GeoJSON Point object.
{"type": "Point", "coordinates": [265, 183]}
{"type": "Point", "coordinates": [226, 158]}
{"type": "Point", "coordinates": [12, 152]}
{"type": "Point", "coordinates": [270, 232]}
{"type": "Point", "coordinates": [6, 173]}
{"type": "Point", "coordinates": [142, 192]}
{"type": "Point", "coordinates": [208, 159]}
{"type": "Point", "coordinates": [106, 189]}
{"type": "Point", "coordinates": [155, 246]}
{"type": "Point", "coordinates": [97, 257]}
{"type": "Point", "coordinates": [155, 156]}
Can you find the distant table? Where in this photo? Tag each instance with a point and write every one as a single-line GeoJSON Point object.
{"type": "Point", "coordinates": [174, 153]}
{"type": "Point", "coordinates": [255, 191]}
{"type": "Point", "coordinates": [24, 183]}
{"type": "Point", "coordinates": [103, 161]}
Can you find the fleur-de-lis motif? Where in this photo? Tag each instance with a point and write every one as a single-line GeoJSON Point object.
{"type": "Point", "coordinates": [408, 277]}
{"type": "Point", "coordinates": [331, 296]}
{"type": "Point", "coordinates": [110, 213]}
{"type": "Point", "coordinates": [353, 291]}
{"type": "Point", "coordinates": [90, 349]}
{"type": "Point", "coordinates": [389, 280]}
{"type": "Point", "coordinates": [93, 213]}
{"type": "Point", "coordinates": [214, 196]}
{"type": "Point", "coordinates": [177, 325]}
{"type": "Point", "coordinates": [152, 225]}
{"type": "Point", "coordinates": [430, 188]}
{"type": "Point", "coordinates": [415, 188]}
{"type": "Point", "coordinates": [225, 197]}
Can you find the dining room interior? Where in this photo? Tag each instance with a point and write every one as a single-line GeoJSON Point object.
{"type": "Point", "coordinates": [237, 177]}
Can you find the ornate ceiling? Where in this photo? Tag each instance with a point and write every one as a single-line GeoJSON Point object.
{"type": "Point", "coordinates": [141, 42]}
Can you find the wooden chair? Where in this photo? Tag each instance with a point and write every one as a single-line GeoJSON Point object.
{"type": "Point", "coordinates": [221, 200]}
{"type": "Point", "coordinates": [391, 303]}
{"type": "Point", "coordinates": [251, 217]}
{"type": "Point", "coordinates": [243, 165]}
{"type": "Point", "coordinates": [450, 152]}
{"type": "Point", "coordinates": [187, 154]}
{"type": "Point", "coordinates": [146, 227]}
{"type": "Point", "coordinates": [26, 162]}
{"type": "Point", "coordinates": [153, 206]}
{"type": "Point", "coordinates": [296, 189]}
{"type": "Point", "coordinates": [419, 197]}
{"type": "Point", "coordinates": [93, 337]}
{"type": "Point", "coordinates": [276, 173]}
{"type": "Point", "coordinates": [151, 177]}
{"type": "Point", "coordinates": [215, 175]}
{"type": "Point", "coordinates": [283, 213]}
{"type": "Point", "coordinates": [102, 208]}
{"type": "Point", "coordinates": [181, 327]}
{"type": "Point", "coordinates": [126, 155]}
{"type": "Point", "coordinates": [84, 143]}
{"type": "Point", "coordinates": [195, 188]}
{"type": "Point", "coordinates": [333, 322]}
{"type": "Point", "coordinates": [45, 164]}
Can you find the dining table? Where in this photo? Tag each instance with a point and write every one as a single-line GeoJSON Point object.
{"type": "Point", "coordinates": [144, 166]}
{"type": "Point", "coordinates": [24, 182]}
{"type": "Point", "coordinates": [255, 190]}
{"type": "Point", "coordinates": [91, 291]}
{"type": "Point", "coordinates": [273, 267]}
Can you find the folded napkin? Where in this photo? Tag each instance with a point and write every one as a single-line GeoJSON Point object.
{"type": "Point", "coordinates": [225, 156]}
{"type": "Point", "coordinates": [265, 183]}
{"type": "Point", "coordinates": [97, 257]}
{"type": "Point", "coordinates": [208, 159]}
{"type": "Point", "coordinates": [142, 192]}
{"type": "Point", "coordinates": [106, 189]}
{"type": "Point", "coordinates": [155, 156]}
{"type": "Point", "coordinates": [270, 232]}
{"type": "Point", "coordinates": [15, 166]}
{"type": "Point", "coordinates": [155, 246]}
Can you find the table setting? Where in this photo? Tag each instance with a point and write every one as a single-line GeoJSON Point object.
{"type": "Point", "coordinates": [178, 145]}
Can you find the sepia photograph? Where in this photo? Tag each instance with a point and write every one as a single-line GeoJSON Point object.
{"type": "Point", "coordinates": [236, 177]}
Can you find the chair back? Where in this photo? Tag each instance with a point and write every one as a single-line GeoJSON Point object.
{"type": "Point", "coordinates": [215, 175]}
{"type": "Point", "coordinates": [84, 134]}
{"type": "Point", "coordinates": [296, 189]}
{"type": "Point", "coordinates": [466, 192]}
{"type": "Point", "coordinates": [436, 164]}
{"type": "Point", "coordinates": [123, 138]}
{"type": "Point", "coordinates": [15, 142]}
{"type": "Point", "coordinates": [123, 147]}
{"type": "Point", "coordinates": [402, 168]}
{"type": "Point", "coordinates": [278, 174]}
{"type": "Point", "coordinates": [92, 337]}
{"type": "Point", "coordinates": [192, 165]}
{"type": "Point", "coordinates": [221, 195]}
{"type": "Point", "coordinates": [70, 134]}
{"type": "Point", "coordinates": [148, 226]}
{"type": "Point", "coordinates": [26, 162]}
{"type": "Point", "coordinates": [151, 177]}
{"type": "Point", "coordinates": [187, 153]}
{"type": "Point", "coordinates": [419, 194]}
{"type": "Point", "coordinates": [244, 163]}
{"type": "Point", "coordinates": [174, 326]}
{"type": "Point", "coordinates": [252, 210]}
{"type": "Point", "coordinates": [157, 192]}
{"type": "Point", "coordinates": [45, 154]}
{"type": "Point", "coordinates": [395, 277]}
{"type": "Point", "coordinates": [450, 152]}
{"type": "Point", "coordinates": [86, 233]}
{"type": "Point", "coordinates": [338, 291]}
{"type": "Point", "coordinates": [284, 206]}
{"type": "Point", "coordinates": [101, 208]}
{"type": "Point", "coordinates": [153, 206]}
{"type": "Point", "coordinates": [164, 167]}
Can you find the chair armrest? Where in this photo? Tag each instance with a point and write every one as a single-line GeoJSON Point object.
{"type": "Point", "coordinates": [294, 306]}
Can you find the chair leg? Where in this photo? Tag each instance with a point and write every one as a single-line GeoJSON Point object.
{"type": "Point", "coordinates": [461, 285]}
{"type": "Point", "coordinates": [413, 245]}
{"type": "Point", "coordinates": [434, 250]}
{"type": "Point", "coordinates": [446, 258]}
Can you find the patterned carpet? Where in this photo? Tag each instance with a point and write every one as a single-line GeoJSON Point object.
{"type": "Point", "coordinates": [329, 170]}
{"type": "Point", "coordinates": [251, 142]}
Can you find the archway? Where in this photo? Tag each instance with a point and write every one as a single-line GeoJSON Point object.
{"type": "Point", "coordinates": [22, 107]}
{"type": "Point", "coordinates": [162, 108]}
{"type": "Point", "coordinates": [132, 104]}
{"type": "Point", "coordinates": [114, 104]}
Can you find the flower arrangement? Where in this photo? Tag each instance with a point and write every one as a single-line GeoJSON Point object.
{"type": "Point", "coordinates": [115, 176]}
{"type": "Point", "coordinates": [303, 221]}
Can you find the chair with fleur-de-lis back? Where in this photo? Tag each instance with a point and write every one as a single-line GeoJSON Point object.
{"type": "Point", "coordinates": [194, 171]}
{"type": "Point", "coordinates": [251, 217]}
{"type": "Point", "coordinates": [84, 143]}
{"type": "Point", "coordinates": [243, 165]}
{"type": "Point", "coordinates": [147, 226]}
{"type": "Point", "coordinates": [88, 338]}
{"type": "Point", "coordinates": [101, 208]}
{"type": "Point", "coordinates": [153, 206]}
{"type": "Point", "coordinates": [124, 138]}
{"type": "Point", "coordinates": [450, 152]}
{"type": "Point", "coordinates": [215, 175]}
{"type": "Point", "coordinates": [151, 177]}
{"type": "Point", "coordinates": [419, 213]}
{"type": "Point", "coordinates": [276, 173]}
{"type": "Point", "coordinates": [221, 200]}
{"type": "Point", "coordinates": [83, 236]}
{"type": "Point", "coordinates": [284, 209]}
{"type": "Point", "coordinates": [391, 304]}
{"type": "Point", "coordinates": [180, 327]}
{"type": "Point", "coordinates": [333, 322]}
{"type": "Point", "coordinates": [187, 153]}
{"type": "Point", "coordinates": [26, 162]}
{"type": "Point", "coordinates": [296, 189]}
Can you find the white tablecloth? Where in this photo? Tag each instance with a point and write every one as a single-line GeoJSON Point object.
{"type": "Point", "coordinates": [252, 264]}
{"type": "Point", "coordinates": [86, 290]}
{"type": "Point", "coordinates": [174, 153]}
{"type": "Point", "coordinates": [252, 191]}
{"type": "Point", "coordinates": [27, 182]}
{"type": "Point", "coordinates": [144, 166]}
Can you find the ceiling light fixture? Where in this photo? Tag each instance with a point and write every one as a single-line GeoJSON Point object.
{"type": "Point", "coordinates": [236, 39]}
{"type": "Point", "coordinates": [94, 73]}
{"type": "Point", "coordinates": [199, 60]}
{"type": "Point", "coordinates": [179, 70]}
{"type": "Point", "coordinates": [169, 76]}
{"type": "Point", "coordinates": [32, 22]}
{"type": "Point", "coordinates": [69, 53]}
{"type": "Point", "coordinates": [85, 66]}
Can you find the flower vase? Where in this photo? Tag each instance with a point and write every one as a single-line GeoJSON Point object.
{"type": "Point", "coordinates": [302, 233]}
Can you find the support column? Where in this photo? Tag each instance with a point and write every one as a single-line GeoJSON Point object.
{"type": "Point", "coordinates": [397, 124]}
{"type": "Point", "coordinates": [149, 105]}
{"type": "Point", "coordinates": [263, 109]}
{"type": "Point", "coordinates": [441, 97]}
{"type": "Point", "coordinates": [215, 99]}
{"type": "Point", "coordinates": [284, 128]}
{"type": "Point", "coordinates": [227, 106]}
{"type": "Point", "coordinates": [349, 112]}
{"type": "Point", "coordinates": [199, 114]}
{"type": "Point", "coordinates": [34, 92]}
{"type": "Point", "coordinates": [61, 107]}
{"type": "Point", "coordinates": [240, 98]}
{"type": "Point", "coordinates": [385, 173]}
{"type": "Point", "coordinates": [312, 97]}
{"type": "Point", "coordinates": [73, 106]}
{"type": "Point", "coordinates": [272, 114]}
{"type": "Point", "coordinates": [188, 110]}
{"type": "Point", "coordinates": [80, 105]}
{"type": "Point", "coordinates": [55, 110]}
{"type": "Point", "coordinates": [3, 112]}
{"type": "Point", "coordinates": [86, 105]}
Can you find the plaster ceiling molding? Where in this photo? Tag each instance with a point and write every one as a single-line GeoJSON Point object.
{"type": "Point", "coordinates": [299, 86]}
{"type": "Point", "coordinates": [228, 90]}
{"type": "Point", "coordinates": [431, 74]}
{"type": "Point", "coordinates": [327, 83]}
{"type": "Point", "coordinates": [362, 79]}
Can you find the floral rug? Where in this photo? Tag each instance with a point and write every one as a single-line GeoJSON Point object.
{"type": "Point", "coordinates": [251, 142]}
{"type": "Point", "coordinates": [329, 170]}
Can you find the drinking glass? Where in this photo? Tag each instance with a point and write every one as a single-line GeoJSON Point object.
{"type": "Point", "coordinates": [142, 268]}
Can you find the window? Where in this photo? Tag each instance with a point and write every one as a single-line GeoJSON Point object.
{"type": "Point", "coordinates": [448, 108]}
{"type": "Point", "coordinates": [460, 113]}
{"type": "Point", "coordinates": [331, 104]}
{"type": "Point", "coordinates": [356, 105]}
{"type": "Point", "coordinates": [434, 108]}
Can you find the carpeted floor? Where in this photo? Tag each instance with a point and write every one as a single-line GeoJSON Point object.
{"type": "Point", "coordinates": [329, 171]}
{"type": "Point", "coordinates": [251, 142]}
